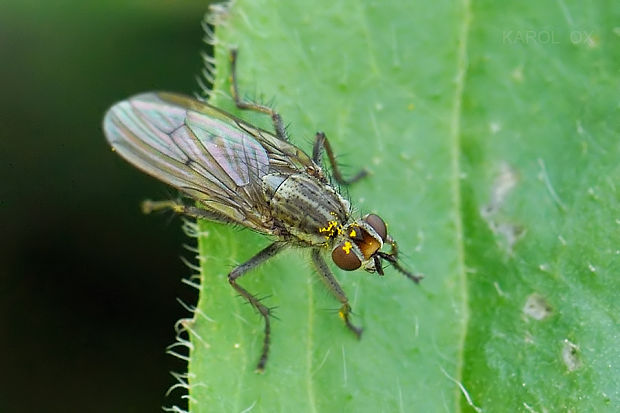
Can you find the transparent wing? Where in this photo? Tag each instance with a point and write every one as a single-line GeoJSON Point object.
{"type": "Point", "coordinates": [283, 156]}
{"type": "Point", "coordinates": [196, 148]}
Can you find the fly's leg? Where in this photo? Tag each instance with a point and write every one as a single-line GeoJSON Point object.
{"type": "Point", "coordinates": [149, 206]}
{"type": "Point", "coordinates": [278, 126]}
{"type": "Point", "coordinates": [322, 144]}
{"type": "Point", "coordinates": [264, 311]}
{"type": "Point", "coordinates": [336, 290]}
{"type": "Point", "coordinates": [392, 258]}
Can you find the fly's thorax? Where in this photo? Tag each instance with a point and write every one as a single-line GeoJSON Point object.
{"type": "Point", "coordinates": [359, 242]}
{"type": "Point", "coordinates": [307, 208]}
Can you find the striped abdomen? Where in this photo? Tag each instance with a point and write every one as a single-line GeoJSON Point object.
{"type": "Point", "coordinates": [308, 209]}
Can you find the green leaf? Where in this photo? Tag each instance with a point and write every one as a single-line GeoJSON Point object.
{"type": "Point", "coordinates": [541, 200]}
{"type": "Point", "coordinates": [491, 131]}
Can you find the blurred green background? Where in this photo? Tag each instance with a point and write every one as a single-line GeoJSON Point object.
{"type": "Point", "coordinates": [86, 312]}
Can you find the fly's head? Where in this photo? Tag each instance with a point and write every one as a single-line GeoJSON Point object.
{"type": "Point", "coordinates": [359, 246]}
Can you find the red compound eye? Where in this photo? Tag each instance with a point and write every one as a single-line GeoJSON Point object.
{"type": "Point", "coordinates": [345, 257]}
{"type": "Point", "coordinates": [377, 224]}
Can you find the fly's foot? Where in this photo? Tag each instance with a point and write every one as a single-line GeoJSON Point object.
{"type": "Point", "coordinates": [345, 314]}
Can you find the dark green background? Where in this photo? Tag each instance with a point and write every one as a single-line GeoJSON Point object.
{"type": "Point", "coordinates": [86, 311]}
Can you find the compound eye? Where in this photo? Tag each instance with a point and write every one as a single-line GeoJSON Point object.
{"type": "Point", "coordinates": [377, 224]}
{"type": "Point", "coordinates": [345, 258]}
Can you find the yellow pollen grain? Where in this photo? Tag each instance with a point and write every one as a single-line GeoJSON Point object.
{"type": "Point", "coordinates": [347, 247]}
{"type": "Point", "coordinates": [353, 233]}
{"type": "Point", "coordinates": [332, 226]}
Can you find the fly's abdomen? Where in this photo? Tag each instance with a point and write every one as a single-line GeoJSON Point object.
{"type": "Point", "coordinates": [307, 208]}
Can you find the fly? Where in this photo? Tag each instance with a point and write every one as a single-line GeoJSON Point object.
{"type": "Point", "coordinates": [240, 174]}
